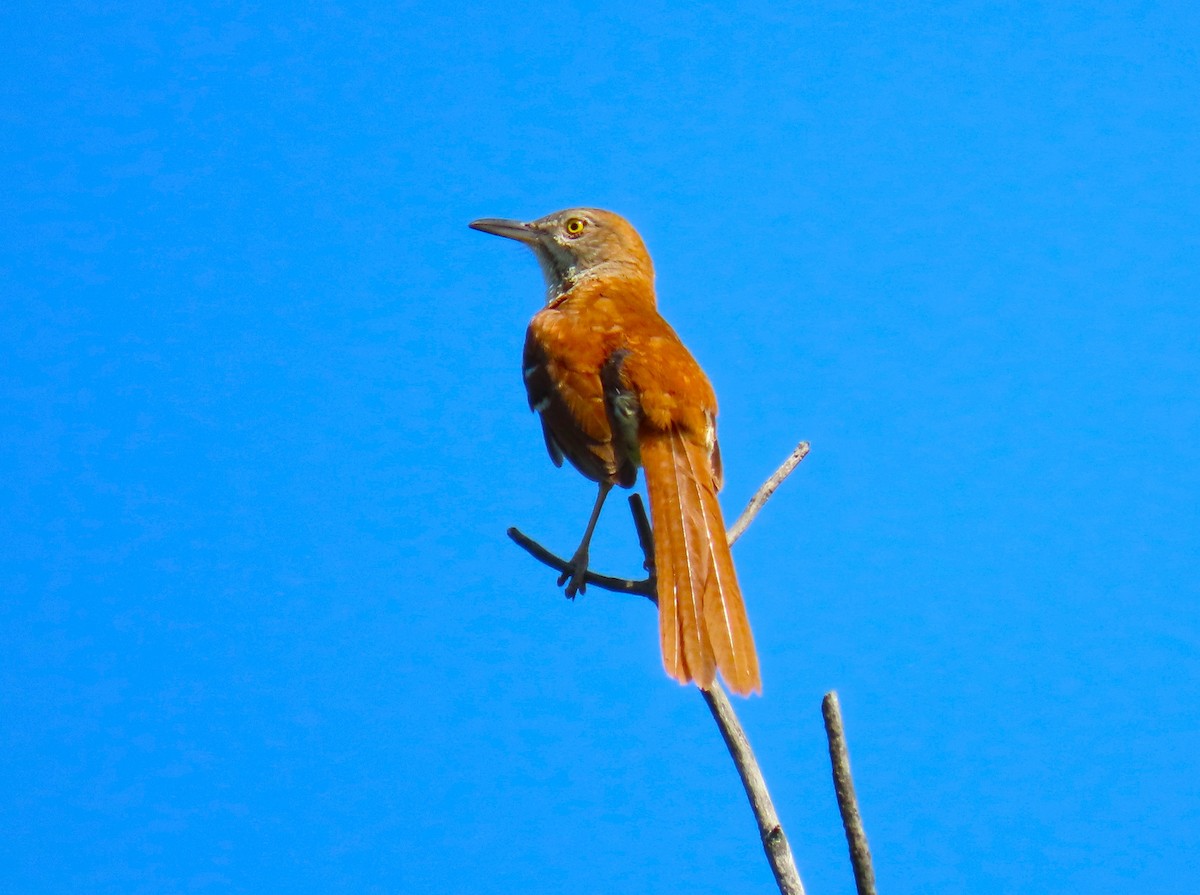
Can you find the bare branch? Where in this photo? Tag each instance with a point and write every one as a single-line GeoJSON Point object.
{"type": "Point", "coordinates": [645, 587]}
{"type": "Point", "coordinates": [605, 582]}
{"type": "Point", "coordinates": [763, 494]}
{"type": "Point", "coordinates": [774, 841]}
{"type": "Point", "coordinates": [843, 786]}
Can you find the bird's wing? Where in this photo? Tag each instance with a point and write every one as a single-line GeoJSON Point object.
{"type": "Point", "coordinates": [570, 403]}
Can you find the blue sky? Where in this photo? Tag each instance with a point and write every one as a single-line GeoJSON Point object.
{"type": "Point", "coordinates": [263, 430]}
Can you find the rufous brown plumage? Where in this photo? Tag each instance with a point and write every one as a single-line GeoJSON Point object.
{"type": "Point", "coordinates": [615, 390]}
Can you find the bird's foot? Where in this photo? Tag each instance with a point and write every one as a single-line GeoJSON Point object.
{"type": "Point", "coordinates": [575, 577]}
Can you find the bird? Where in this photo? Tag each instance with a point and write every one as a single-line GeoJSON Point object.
{"type": "Point", "coordinates": [616, 390]}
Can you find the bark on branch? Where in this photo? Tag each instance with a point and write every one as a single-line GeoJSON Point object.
{"type": "Point", "coordinates": [774, 840]}
{"type": "Point", "coordinates": [843, 787]}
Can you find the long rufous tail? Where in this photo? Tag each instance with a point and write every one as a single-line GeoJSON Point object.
{"type": "Point", "coordinates": [702, 618]}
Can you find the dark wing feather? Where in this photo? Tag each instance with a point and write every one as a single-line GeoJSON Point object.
{"type": "Point", "coordinates": [624, 412]}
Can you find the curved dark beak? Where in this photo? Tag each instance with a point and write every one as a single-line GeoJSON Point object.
{"type": "Point", "coordinates": [517, 230]}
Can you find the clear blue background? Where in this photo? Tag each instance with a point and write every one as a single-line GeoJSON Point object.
{"type": "Point", "coordinates": [263, 429]}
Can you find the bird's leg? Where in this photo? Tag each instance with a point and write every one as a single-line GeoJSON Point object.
{"type": "Point", "coordinates": [577, 570]}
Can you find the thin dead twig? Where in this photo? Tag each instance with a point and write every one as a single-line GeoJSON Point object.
{"type": "Point", "coordinates": [843, 786]}
{"type": "Point", "coordinates": [763, 494]}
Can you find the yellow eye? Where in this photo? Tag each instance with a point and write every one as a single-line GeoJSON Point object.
{"type": "Point", "coordinates": [574, 226]}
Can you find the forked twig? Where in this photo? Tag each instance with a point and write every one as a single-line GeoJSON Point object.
{"type": "Point", "coordinates": [642, 524]}
{"type": "Point", "coordinates": [644, 587]}
{"type": "Point", "coordinates": [843, 786]}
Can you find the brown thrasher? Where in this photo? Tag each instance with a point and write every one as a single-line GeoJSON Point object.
{"type": "Point", "coordinates": [616, 389]}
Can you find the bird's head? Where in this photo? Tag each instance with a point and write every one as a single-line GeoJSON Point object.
{"type": "Point", "coordinates": [578, 244]}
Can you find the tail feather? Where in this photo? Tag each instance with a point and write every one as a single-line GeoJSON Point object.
{"type": "Point", "coordinates": [689, 553]}
{"type": "Point", "coordinates": [702, 617]}
{"type": "Point", "coordinates": [725, 619]}
{"type": "Point", "coordinates": [687, 654]}
{"type": "Point", "coordinates": [670, 632]}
